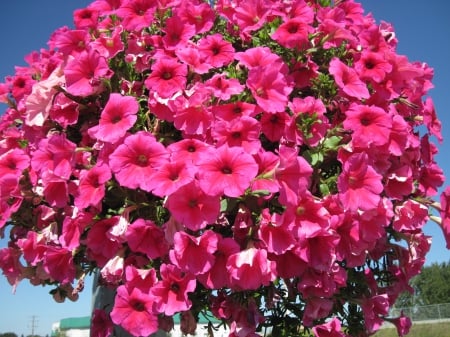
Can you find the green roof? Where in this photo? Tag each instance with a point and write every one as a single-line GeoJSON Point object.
{"type": "Point", "coordinates": [85, 322]}
{"type": "Point", "coordinates": [75, 323]}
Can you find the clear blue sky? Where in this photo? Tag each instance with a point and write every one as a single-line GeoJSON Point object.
{"type": "Point", "coordinates": [421, 27]}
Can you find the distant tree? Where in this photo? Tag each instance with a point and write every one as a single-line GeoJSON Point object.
{"type": "Point", "coordinates": [431, 286]}
{"type": "Point", "coordinates": [8, 334]}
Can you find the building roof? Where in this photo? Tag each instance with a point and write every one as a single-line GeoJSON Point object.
{"type": "Point", "coordinates": [75, 323]}
{"type": "Point", "coordinates": [85, 322]}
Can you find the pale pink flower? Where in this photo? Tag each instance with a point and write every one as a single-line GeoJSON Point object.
{"type": "Point", "coordinates": [39, 102]}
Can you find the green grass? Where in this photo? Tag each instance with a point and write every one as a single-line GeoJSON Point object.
{"type": "Point", "coordinates": [420, 330]}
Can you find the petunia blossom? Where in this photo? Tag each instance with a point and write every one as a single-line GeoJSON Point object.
{"type": "Point", "coordinates": [118, 116]}
{"type": "Point", "coordinates": [133, 310]}
{"type": "Point", "coordinates": [192, 207]}
{"type": "Point", "coordinates": [92, 186]}
{"type": "Point", "coordinates": [84, 74]}
{"type": "Point", "coordinates": [359, 184]}
{"type": "Point", "coordinates": [293, 33]}
{"type": "Point", "coordinates": [226, 170]}
{"type": "Point", "coordinates": [167, 77]}
{"type": "Point", "coordinates": [144, 236]}
{"type": "Point", "coordinates": [134, 161]}
{"type": "Point", "coordinates": [216, 51]}
{"type": "Point", "coordinates": [171, 293]}
{"type": "Point", "coordinates": [269, 88]}
{"type": "Point", "coordinates": [348, 80]}
{"type": "Point", "coordinates": [194, 254]}
{"type": "Point", "coordinates": [370, 125]}
{"type": "Point", "coordinates": [250, 269]}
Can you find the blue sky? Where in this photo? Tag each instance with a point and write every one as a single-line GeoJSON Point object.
{"type": "Point", "coordinates": [421, 27]}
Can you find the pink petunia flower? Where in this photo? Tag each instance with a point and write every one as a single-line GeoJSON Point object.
{"type": "Point", "coordinates": [92, 186]}
{"type": "Point", "coordinates": [293, 33]}
{"type": "Point", "coordinates": [269, 88]}
{"type": "Point", "coordinates": [58, 263]}
{"type": "Point", "coordinates": [331, 328]}
{"type": "Point", "coordinates": [226, 170]}
{"type": "Point", "coordinates": [359, 184]}
{"type": "Point", "coordinates": [177, 33]}
{"type": "Point", "coordinates": [372, 66]}
{"type": "Point", "coordinates": [194, 254]}
{"type": "Point", "coordinates": [135, 161]}
{"type": "Point", "coordinates": [273, 125]}
{"type": "Point", "coordinates": [143, 236]}
{"type": "Point", "coordinates": [13, 162]}
{"type": "Point", "coordinates": [192, 207]}
{"type": "Point", "coordinates": [276, 236]}
{"type": "Point", "coordinates": [191, 56]}
{"type": "Point", "coordinates": [216, 51]}
{"type": "Point", "coordinates": [223, 88]}
{"type": "Point", "coordinates": [258, 57]}
{"type": "Point", "coordinates": [370, 125]}
{"type": "Point", "coordinates": [84, 74]}
{"type": "Point", "coordinates": [101, 324]}
{"type": "Point", "coordinates": [249, 269]}
{"type": "Point", "coordinates": [348, 80]}
{"type": "Point", "coordinates": [192, 115]}
{"type": "Point", "coordinates": [133, 310]}
{"type": "Point", "coordinates": [10, 197]}
{"type": "Point", "coordinates": [136, 14]}
{"type": "Point", "coordinates": [167, 77]}
{"type": "Point", "coordinates": [240, 132]}
{"type": "Point", "coordinates": [445, 215]}
{"type": "Point", "coordinates": [230, 111]}
{"type": "Point", "coordinates": [217, 277]}
{"type": "Point", "coordinates": [171, 293]}
{"type": "Point", "coordinates": [118, 116]}
{"type": "Point", "coordinates": [189, 150]}
{"type": "Point", "coordinates": [200, 15]}
{"type": "Point", "coordinates": [56, 154]}
{"type": "Point", "coordinates": [171, 176]}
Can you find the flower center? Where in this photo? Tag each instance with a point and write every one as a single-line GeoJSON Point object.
{"type": "Point", "coordinates": [226, 170]}
{"type": "Point", "coordinates": [175, 287]}
{"type": "Point", "coordinates": [142, 160]}
{"type": "Point", "coordinates": [137, 305]}
{"type": "Point", "coordinates": [236, 135]}
{"type": "Point", "coordinates": [167, 75]}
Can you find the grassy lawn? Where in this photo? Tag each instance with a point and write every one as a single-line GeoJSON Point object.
{"type": "Point", "coordinates": [420, 330]}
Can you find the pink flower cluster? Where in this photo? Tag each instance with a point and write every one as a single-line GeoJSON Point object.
{"type": "Point", "coordinates": [268, 162]}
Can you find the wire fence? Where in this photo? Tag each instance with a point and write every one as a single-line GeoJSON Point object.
{"type": "Point", "coordinates": [424, 312]}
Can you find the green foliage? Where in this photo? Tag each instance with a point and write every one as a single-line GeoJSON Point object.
{"type": "Point", "coordinates": [8, 334]}
{"type": "Point", "coordinates": [431, 286]}
{"type": "Point", "coordinates": [419, 330]}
